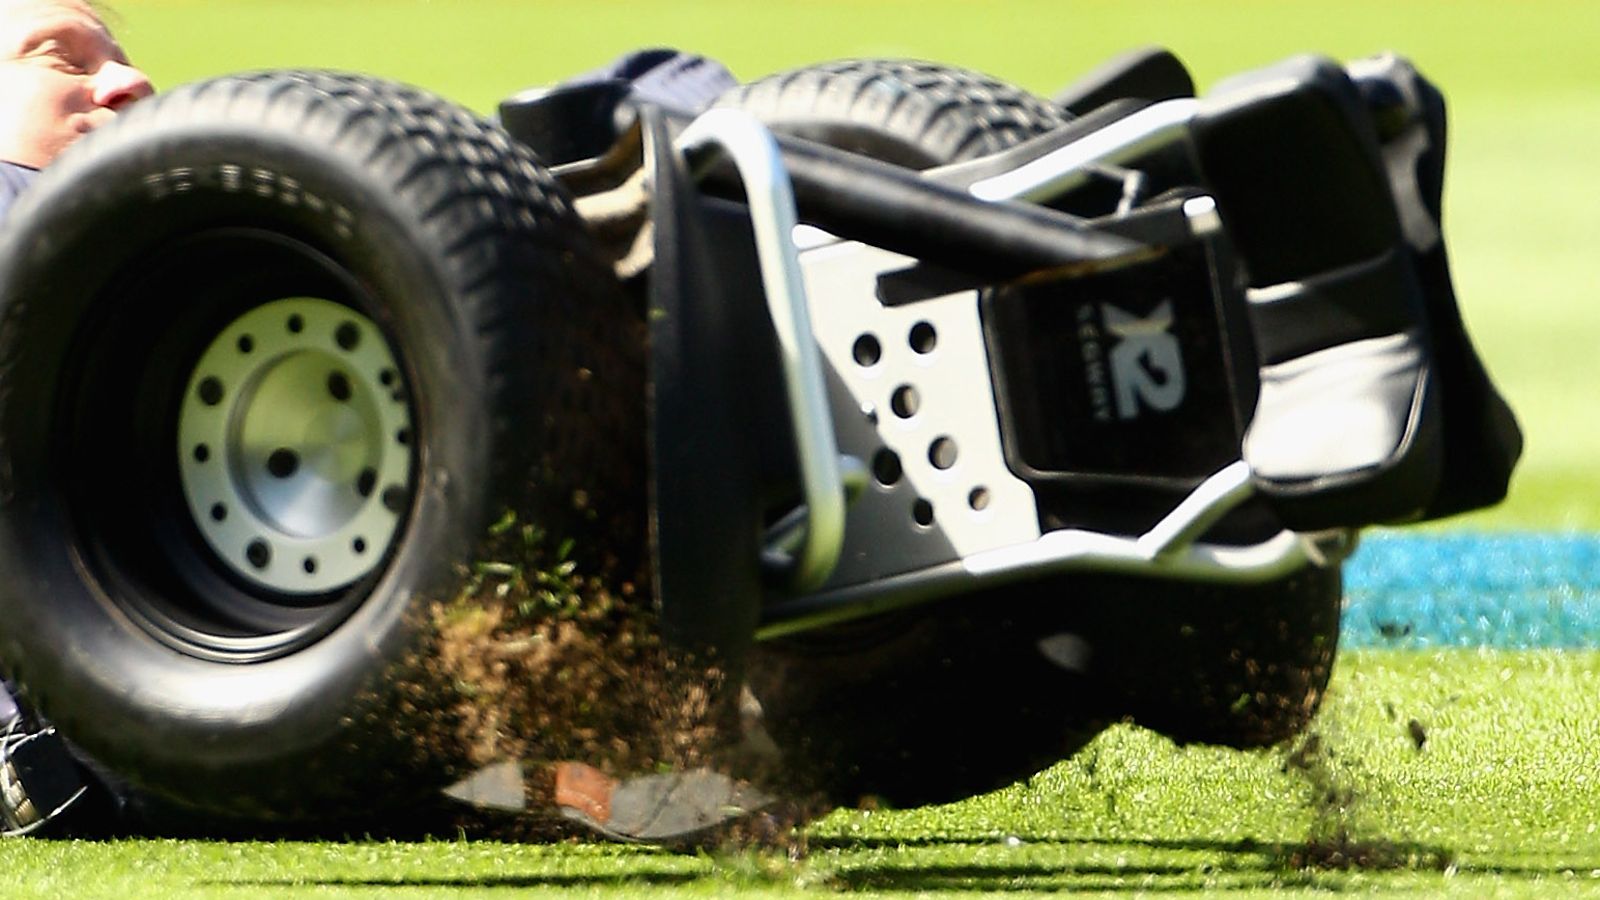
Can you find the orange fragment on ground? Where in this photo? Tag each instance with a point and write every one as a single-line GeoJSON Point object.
{"type": "Point", "coordinates": [585, 789]}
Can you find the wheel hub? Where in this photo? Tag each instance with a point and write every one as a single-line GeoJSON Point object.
{"type": "Point", "coordinates": [295, 448]}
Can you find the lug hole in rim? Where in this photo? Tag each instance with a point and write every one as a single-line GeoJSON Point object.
{"type": "Point", "coordinates": [394, 499]}
{"type": "Point", "coordinates": [211, 391]}
{"type": "Point", "coordinates": [202, 453]}
{"type": "Point", "coordinates": [259, 554]}
{"type": "Point", "coordinates": [296, 323]}
{"type": "Point", "coordinates": [339, 387]}
{"type": "Point", "coordinates": [367, 482]}
{"type": "Point", "coordinates": [347, 336]}
{"type": "Point", "coordinates": [283, 463]}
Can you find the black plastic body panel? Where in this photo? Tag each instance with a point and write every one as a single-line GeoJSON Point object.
{"type": "Point", "coordinates": [710, 342]}
{"type": "Point", "coordinates": [1347, 428]}
{"type": "Point", "coordinates": [1150, 73]}
{"type": "Point", "coordinates": [569, 123]}
{"type": "Point", "coordinates": [1116, 377]}
{"type": "Point", "coordinates": [1481, 438]}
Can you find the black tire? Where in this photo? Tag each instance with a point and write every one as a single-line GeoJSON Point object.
{"type": "Point", "coordinates": [916, 114]}
{"type": "Point", "coordinates": [427, 235]}
{"type": "Point", "coordinates": [1231, 665]}
{"type": "Point", "coordinates": [941, 703]}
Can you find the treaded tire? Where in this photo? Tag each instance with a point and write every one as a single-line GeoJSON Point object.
{"type": "Point", "coordinates": [942, 703]}
{"type": "Point", "coordinates": [916, 114]}
{"type": "Point", "coordinates": [520, 365]}
{"type": "Point", "coordinates": [1231, 665]}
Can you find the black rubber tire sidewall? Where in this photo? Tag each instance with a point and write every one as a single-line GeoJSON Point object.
{"type": "Point", "coordinates": [334, 726]}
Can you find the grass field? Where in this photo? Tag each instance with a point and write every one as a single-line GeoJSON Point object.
{"type": "Point", "coordinates": [1503, 797]}
{"type": "Point", "coordinates": [1500, 799]}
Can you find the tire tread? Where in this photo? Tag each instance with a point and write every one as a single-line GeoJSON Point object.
{"type": "Point", "coordinates": [943, 114]}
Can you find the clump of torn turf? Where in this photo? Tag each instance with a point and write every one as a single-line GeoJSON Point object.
{"type": "Point", "coordinates": [1333, 842]}
{"type": "Point", "coordinates": [539, 663]}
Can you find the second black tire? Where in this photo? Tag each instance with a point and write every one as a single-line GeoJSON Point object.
{"type": "Point", "coordinates": [941, 703]}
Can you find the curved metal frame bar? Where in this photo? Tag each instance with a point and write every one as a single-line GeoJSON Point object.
{"type": "Point", "coordinates": [754, 153]}
{"type": "Point", "coordinates": [1169, 550]}
{"type": "Point", "coordinates": [1149, 128]}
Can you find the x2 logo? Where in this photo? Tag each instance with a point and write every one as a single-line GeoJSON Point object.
{"type": "Point", "coordinates": [1118, 375]}
{"type": "Point", "coordinates": [1144, 360]}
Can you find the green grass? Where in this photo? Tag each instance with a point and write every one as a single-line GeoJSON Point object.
{"type": "Point", "coordinates": [1506, 786]}
{"type": "Point", "coordinates": [1502, 799]}
{"type": "Point", "coordinates": [1521, 79]}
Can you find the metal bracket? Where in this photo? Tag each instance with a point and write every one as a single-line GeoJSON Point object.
{"type": "Point", "coordinates": [1168, 550]}
{"type": "Point", "coordinates": [753, 151]}
{"type": "Point", "coordinates": [1123, 140]}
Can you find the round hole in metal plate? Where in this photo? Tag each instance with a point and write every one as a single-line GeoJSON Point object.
{"type": "Point", "coordinates": [867, 351]}
{"type": "Point", "coordinates": [905, 401]}
{"type": "Point", "coordinates": [886, 467]}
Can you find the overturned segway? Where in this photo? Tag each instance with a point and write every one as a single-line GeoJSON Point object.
{"type": "Point", "coordinates": [895, 428]}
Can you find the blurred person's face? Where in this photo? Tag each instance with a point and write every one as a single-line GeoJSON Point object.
{"type": "Point", "coordinates": [62, 74]}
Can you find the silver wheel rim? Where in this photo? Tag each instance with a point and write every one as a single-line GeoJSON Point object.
{"type": "Point", "coordinates": [295, 447]}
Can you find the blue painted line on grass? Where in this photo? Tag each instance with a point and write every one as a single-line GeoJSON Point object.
{"type": "Point", "coordinates": [1507, 591]}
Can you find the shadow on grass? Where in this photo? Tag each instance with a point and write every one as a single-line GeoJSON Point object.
{"type": "Point", "coordinates": [1233, 865]}
{"type": "Point", "coordinates": [616, 880]}
{"type": "Point", "coordinates": [1037, 879]}
{"type": "Point", "coordinates": [1436, 857]}
{"type": "Point", "coordinates": [1210, 866]}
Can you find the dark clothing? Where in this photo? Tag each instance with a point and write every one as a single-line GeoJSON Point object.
{"type": "Point", "coordinates": [668, 78]}
{"type": "Point", "coordinates": [13, 178]}
{"type": "Point", "coordinates": [38, 768]}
